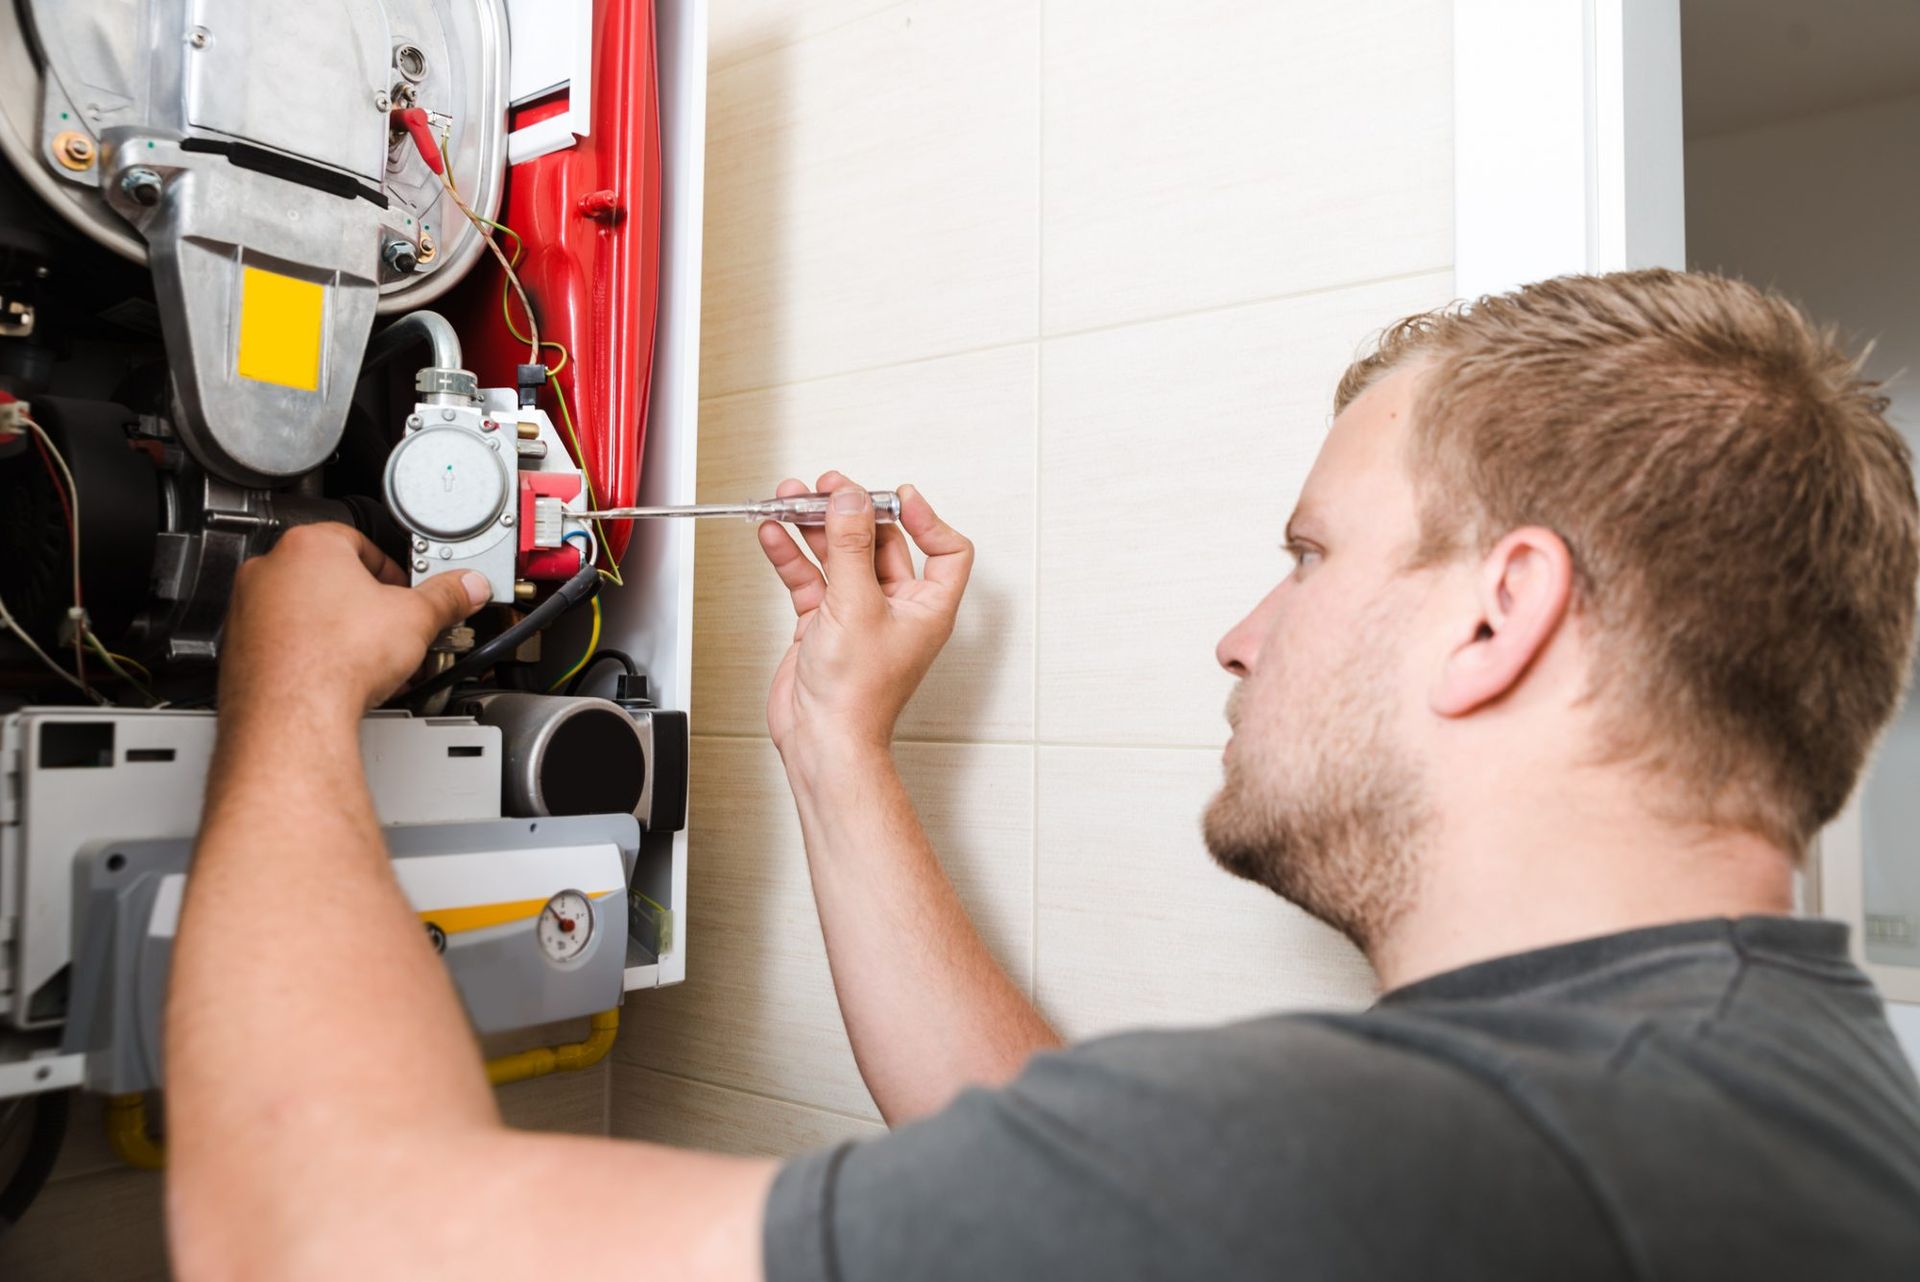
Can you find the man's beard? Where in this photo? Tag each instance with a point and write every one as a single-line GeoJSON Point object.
{"type": "Point", "coordinates": [1331, 815]}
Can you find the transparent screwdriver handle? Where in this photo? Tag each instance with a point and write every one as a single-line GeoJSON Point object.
{"type": "Point", "coordinates": [811, 509]}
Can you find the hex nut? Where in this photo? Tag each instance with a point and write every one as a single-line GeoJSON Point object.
{"type": "Point", "coordinates": [74, 150]}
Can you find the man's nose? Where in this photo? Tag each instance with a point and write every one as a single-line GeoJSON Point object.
{"type": "Point", "coordinates": [1238, 649]}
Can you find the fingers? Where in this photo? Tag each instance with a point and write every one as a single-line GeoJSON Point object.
{"type": "Point", "coordinates": [949, 553]}
{"type": "Point", "coordinates": [853, 585]}
{"type": "Point", "coordinates": [801, 576]}
{"type": "Point", "coordinates": [816, 536]}
{"type": "Point", "coordinates": [450, 598]}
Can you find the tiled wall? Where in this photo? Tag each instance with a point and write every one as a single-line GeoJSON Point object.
{"type": "Point", "coordinates": [1085, 271]}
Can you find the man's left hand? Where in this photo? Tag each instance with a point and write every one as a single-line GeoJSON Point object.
{"type": "Point", "coordinates": [327, 619]}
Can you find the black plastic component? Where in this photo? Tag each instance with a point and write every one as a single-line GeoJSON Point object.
{"type": "Point", "coordinates": [49, 1131]}
{"type": "Point", "coordinates": [592, 765]}
{"type": "Point", "coordinates": [530, 378]}
{"type": "Point", "coordinates": [670, 744]}
{"type": "Point", "coordinates": [632, 690]}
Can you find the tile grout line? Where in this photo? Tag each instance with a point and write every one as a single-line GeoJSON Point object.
{"type": "Point", "coordinates": [727, 736]}
{"type": "Point", "coordinates": [1042, 338]}
{"type": "Point", "coordinates": [1039, 403]}
{"type": "Point", "coordinates": [760, 1095]}
{"type": "Point", "coordinates": [778, 46]}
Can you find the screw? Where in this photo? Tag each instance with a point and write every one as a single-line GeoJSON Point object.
{"type": "Point", "coordinates": [488, 425]}
{"type": "Point", "coordinates": [142, 186]}
{"type": "Point", "coordinates": [447, 414]}
{"type": "Point", "coordinates": [427, 248]}
{"type": "Point", "coordinates": [419, 545]}
{"type": "Point", "coordinates": [413, 422]}
{"type": "Point", "coordinates": [42, 272]}
{"type": "Point", "coordinates": [506, 519]}
{"type": "Point", "coordinates": [199, 38]}
{"type": "Point", "coordinates": [74, 150]}
{"type": "Point", "coordinates": [400, 257]}
{"type": "Point", "coordinates": [421, 566]}
{"type": "Point", "coordinates": [525, 590]}
{"type": "Point", "coordinates": [380, 100]}
{"type": "Point", "coordinates": [446, 553]}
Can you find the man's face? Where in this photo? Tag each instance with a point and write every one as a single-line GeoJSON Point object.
{"type": "Point", "coordinates": [1324, 796]}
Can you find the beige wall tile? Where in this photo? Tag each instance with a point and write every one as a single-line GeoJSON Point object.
{"type": "Point", "coordinates": [678, 1110]}
{"type": "Point", "coordinates": [104, 1227]}
{"type": "Point", "coordinates": [575, 1103]}
{"type": "Point", "coordinates": [873, 195]}
{"type": "Point", "coordinates": [1136, 925]}
{"type": "Point", "coordinates": [962, 429]}
{"type": "Point", "coordinates": [757, 1011]}
{"type": "Point", "coordinates": [1217, 152]}
{"type": "Point", "coordinates": [1206, 426]}
{"type": "Point", "coordinates": [739, 29]}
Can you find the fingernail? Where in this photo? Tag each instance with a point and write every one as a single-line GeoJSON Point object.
{"type": "Point", "coordinates": [906, 492]}
{"type": "Point", "coordinates": [847, 502]}
{"type": "Point", "coordinates": [479, 591]}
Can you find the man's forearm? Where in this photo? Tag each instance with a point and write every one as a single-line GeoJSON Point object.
{"type": "Point", "coordinates": [306, 1009]}
{"type": "Point", "coordinates": [927, 1008]}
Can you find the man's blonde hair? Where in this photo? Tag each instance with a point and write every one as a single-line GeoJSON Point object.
{"type": "Point", "coordinates": [1740, 513]}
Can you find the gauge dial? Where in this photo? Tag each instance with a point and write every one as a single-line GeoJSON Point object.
{"type": "Point", "coordinates": [566, 925]}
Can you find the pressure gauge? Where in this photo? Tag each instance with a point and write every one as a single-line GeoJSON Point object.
{"type": "Point", "coordinates": [566, 925]}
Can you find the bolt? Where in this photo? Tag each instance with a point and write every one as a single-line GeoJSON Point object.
{"type": "Point", "coordinates": [380, 100]}
{"type": "Point", "coordinates": [427, 248]}
{"type": "Point", "coordinates": [420, 566]}
{"type": "Point", "coordinates": [488, 425]}
{"type": "Point", "coordinates": [419, 545]}
{"type": "Point", "coordinates": [413, 422]}
{"type": "Point", "coordinates": [74, 150]}
{"type": "Point", "coordinates": [199, 38]}
{"type": "Point", "coordinates": [447, 414]}
{"type": "Point", "coordinates": [42, 272]}
{"type": "Point", "coordinates": [446, 553]}
{"type": "Point", "coordinates": [525, 590]}
{"type": "Point", "coordinates": [400, 257]}
{"type": "Point", "coordinates": [142, 186]}
{"type": "Point", "coordinates": [506, 519]}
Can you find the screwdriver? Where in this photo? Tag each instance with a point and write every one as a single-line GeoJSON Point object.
{"type": "Point", "coordinates": [795, 509]}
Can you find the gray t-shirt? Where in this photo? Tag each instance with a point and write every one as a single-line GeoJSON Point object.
{"type": "Point", "coordinates": [1716, 1099]}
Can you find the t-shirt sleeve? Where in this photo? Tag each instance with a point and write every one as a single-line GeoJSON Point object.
{"type": "Point", "coordinates": [1222, 1154]}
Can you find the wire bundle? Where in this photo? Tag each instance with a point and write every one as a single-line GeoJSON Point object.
{"type": "Point", "coordinates": [84, 639]}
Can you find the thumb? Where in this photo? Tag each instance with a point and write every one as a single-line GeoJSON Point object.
{"type": "Point", "coordinates": [452, 597]}
{"type": "Point", "coordinates": [852, 582]}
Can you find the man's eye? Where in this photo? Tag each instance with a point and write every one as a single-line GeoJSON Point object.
{"type": "Point", "coordinates": [1305, 556]}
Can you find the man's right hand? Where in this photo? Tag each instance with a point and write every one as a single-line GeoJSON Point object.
{"type": "Point", "coordinates": [867, 629]}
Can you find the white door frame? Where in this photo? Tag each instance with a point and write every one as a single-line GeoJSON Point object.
{"type": "Point", "coordinates": [1568, 158]}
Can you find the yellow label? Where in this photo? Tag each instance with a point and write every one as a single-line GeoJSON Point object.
{"type": "Point", "coordinates": [280, 328]}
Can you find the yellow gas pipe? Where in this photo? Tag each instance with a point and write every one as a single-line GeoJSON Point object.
{"type": "Point", "coordinates": [127, 1114]}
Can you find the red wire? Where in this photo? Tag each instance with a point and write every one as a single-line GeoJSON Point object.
{"type": "Point", "coordinates": [66, 511]}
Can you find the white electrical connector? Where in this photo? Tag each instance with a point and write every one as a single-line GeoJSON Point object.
{"type": "Point", "coordinates": [13, 415]}
{"type": "Point", "coordinates": [549, 522]}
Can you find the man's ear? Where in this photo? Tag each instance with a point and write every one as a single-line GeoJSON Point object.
{"type": "Point", "coordinates": [1521, 593]}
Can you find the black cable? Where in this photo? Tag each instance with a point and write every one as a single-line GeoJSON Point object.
{"type": "Point", "coordinates": [36, 1164]}
{"type": "Point", "coordinates": [604, 652]}
{"type": "Point", "coordinates": [584, 583]}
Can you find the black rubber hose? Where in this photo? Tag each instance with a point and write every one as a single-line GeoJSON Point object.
{"type": "Point", "coordinates": [586, 669]}
{"type": "Point", "coordinates": [584, 583]}
{"type": "Point", "coordinates": [36, 1164]}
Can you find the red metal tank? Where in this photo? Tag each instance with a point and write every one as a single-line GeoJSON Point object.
{"type": "Point", "coordinates": [589, 216]}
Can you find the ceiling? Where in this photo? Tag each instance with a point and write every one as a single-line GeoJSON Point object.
{"type": "Point", "coordinates": [1755, 62]}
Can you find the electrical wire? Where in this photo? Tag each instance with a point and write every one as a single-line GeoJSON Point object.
{"type": "Point", "coordinates": [57, 468]}
{"type": "Point", "coordinates": [584, 583]}
{"type": "Point", "coordinates": [594, 660]}
{"type": "Point", "coordinates": [13, 625]}
{"type": "Point", "coordinates": [593, 642]}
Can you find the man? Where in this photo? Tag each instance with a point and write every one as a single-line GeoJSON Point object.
{"type": "Point", "coordinates": [1602, 591]}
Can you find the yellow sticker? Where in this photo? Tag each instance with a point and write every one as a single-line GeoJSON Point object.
{"type": "Point", "coordinates": [281, 319]}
